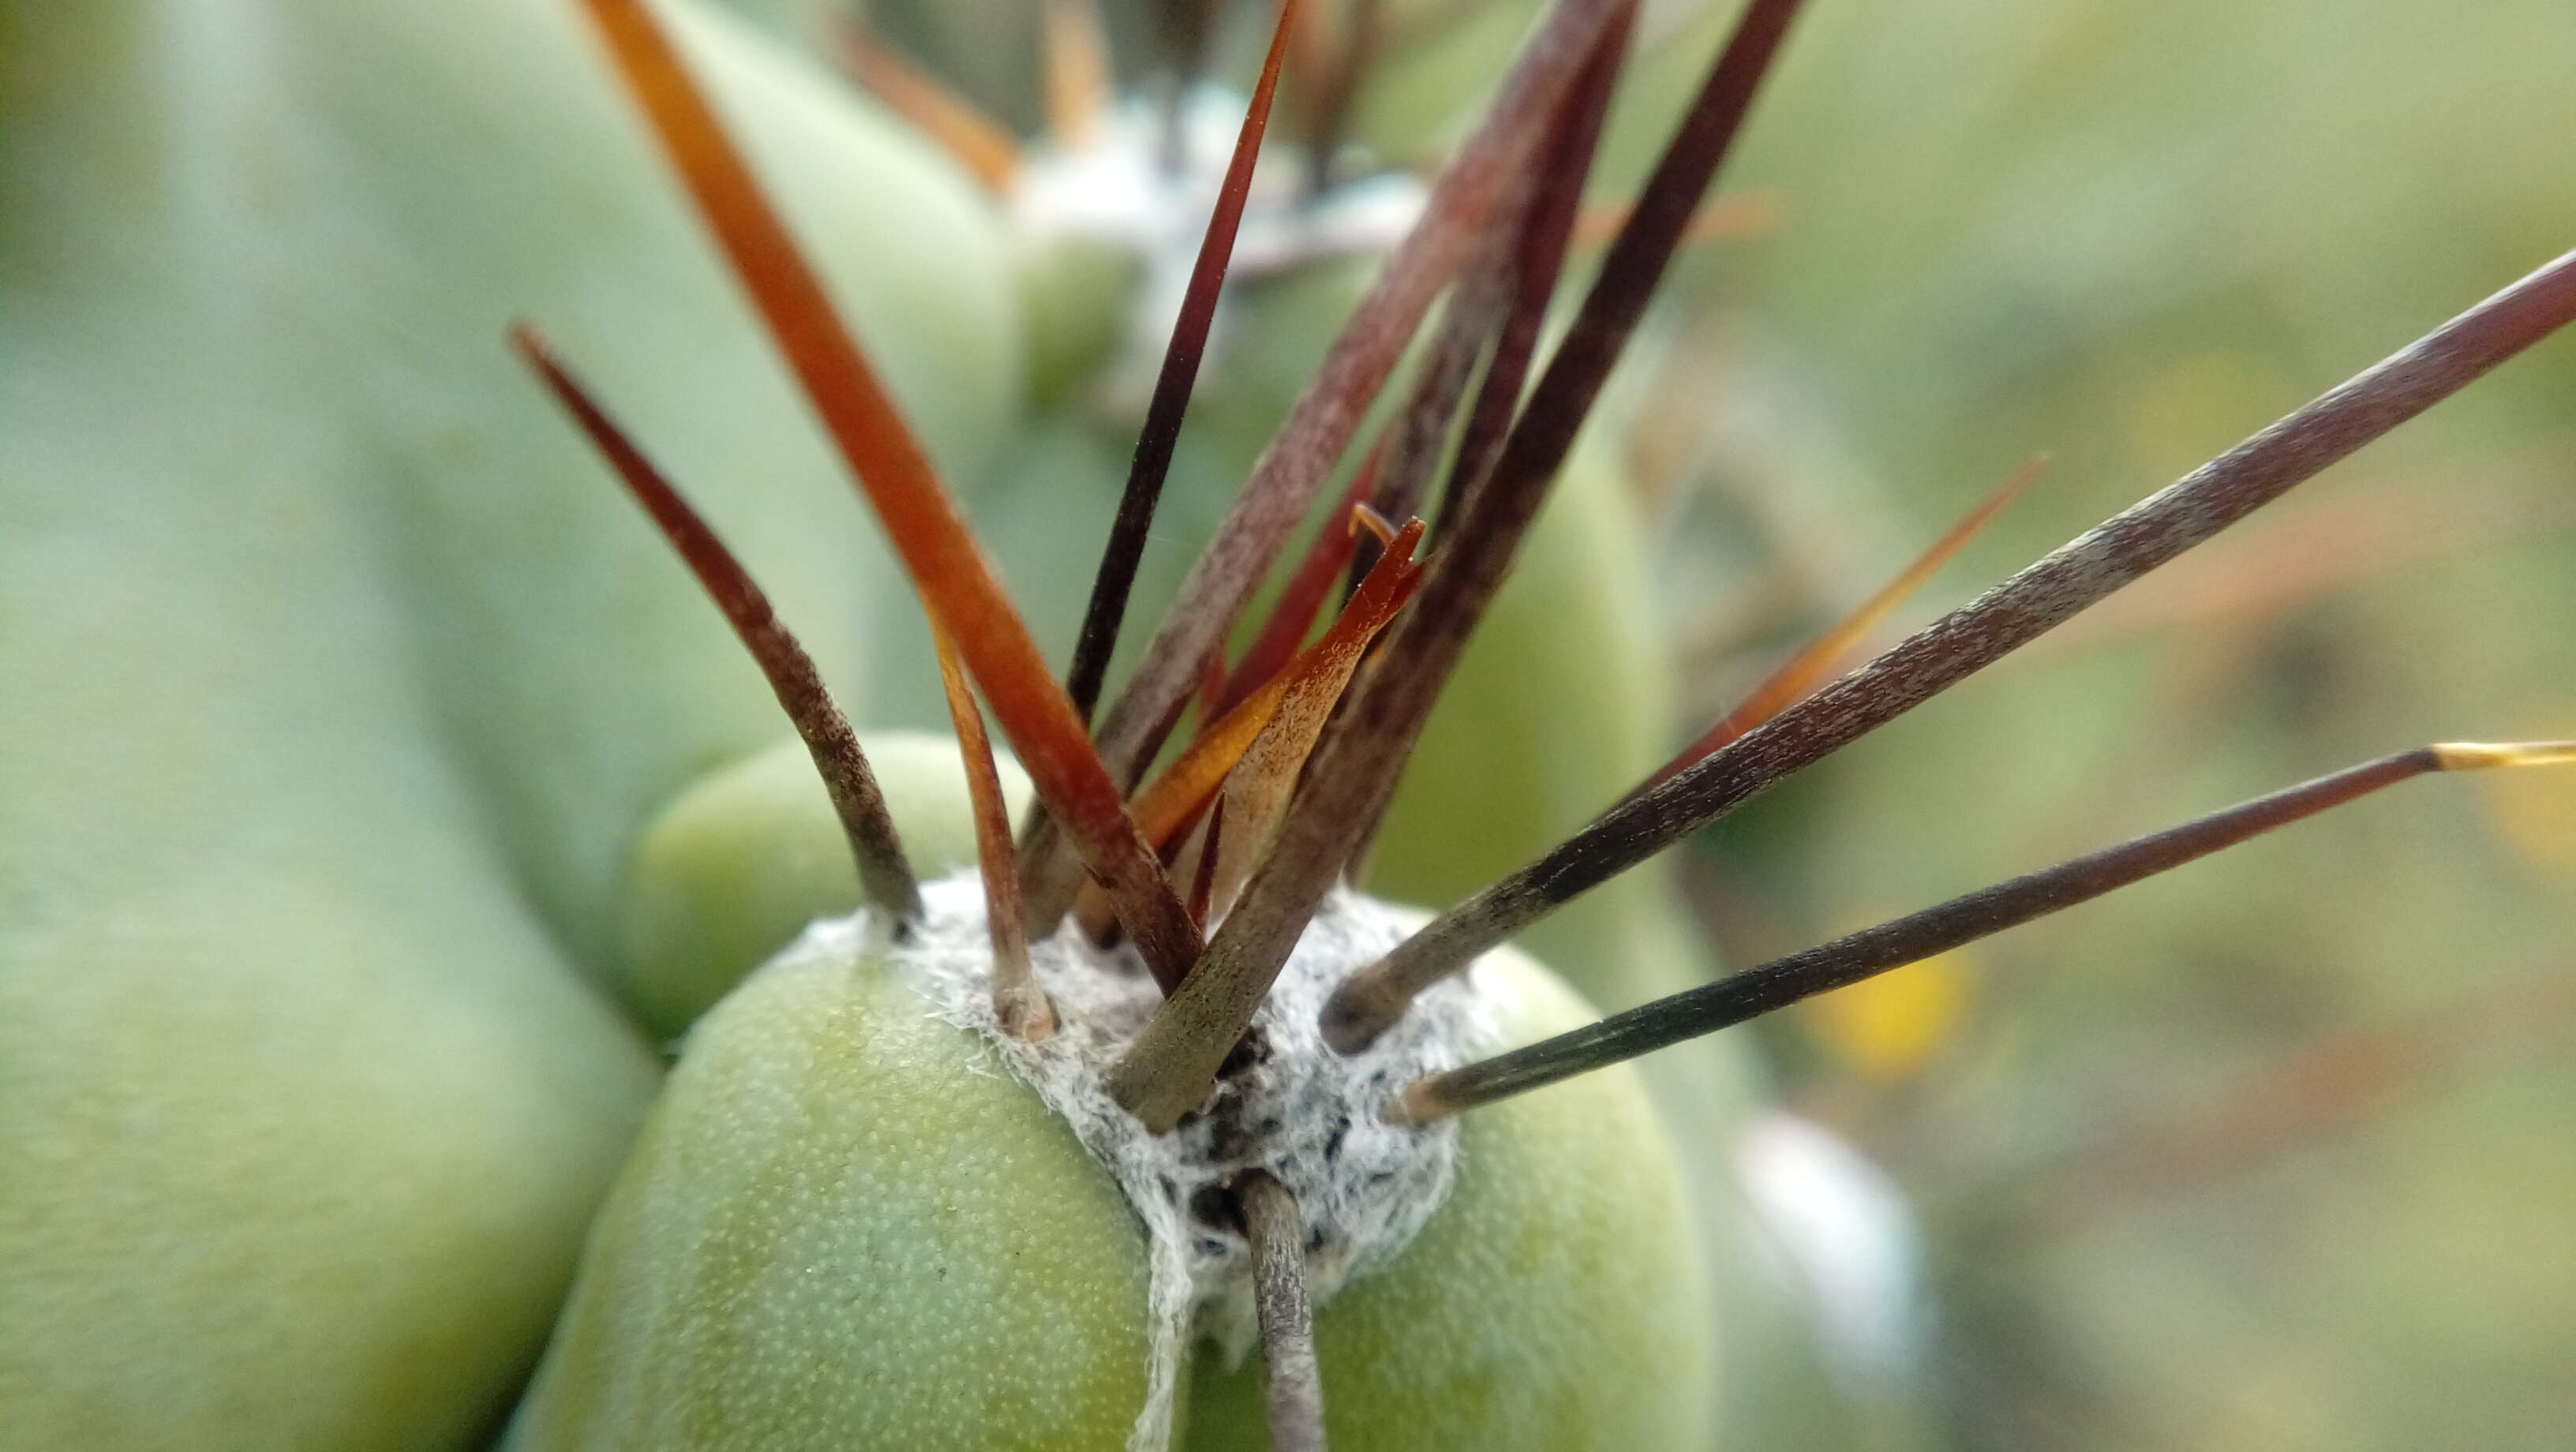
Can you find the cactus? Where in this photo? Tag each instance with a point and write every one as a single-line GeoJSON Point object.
{"type": "Point", "coordinates": [315, 1074]}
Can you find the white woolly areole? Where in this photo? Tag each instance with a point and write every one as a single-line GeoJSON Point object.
{"type": "Point", "coordinates": [1293, 1107]}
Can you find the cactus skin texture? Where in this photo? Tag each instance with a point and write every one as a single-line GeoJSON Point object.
{"type": "Point", "coordinates": [847, 1224]}
{"type": "Point", "coordinates": [339, 683]}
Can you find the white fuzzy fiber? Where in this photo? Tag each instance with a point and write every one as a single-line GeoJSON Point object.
{"type": "Point", "coordinates": [1302, 1112]}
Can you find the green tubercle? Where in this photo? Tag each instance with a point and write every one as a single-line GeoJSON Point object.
{"type": "Point", "coordinates": [848, 1226]}
{"type": "Point", "coordinates": [736, 866]}
{"type": "Point", "coordinates": [853, 1222]}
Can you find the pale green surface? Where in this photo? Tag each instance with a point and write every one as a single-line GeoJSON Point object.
{"type": "Point", "coordinates": [738, 864]}
{"type": "Point", "coordinates": [339, 677]}
{"type": "Point", "coordinates": [848, 1225]}
{"type": "Point", "coordinates": [1557, 1301]}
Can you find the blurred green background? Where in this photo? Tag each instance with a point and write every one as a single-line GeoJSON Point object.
{"type": "Point", "coordinates": [2270, 1153]}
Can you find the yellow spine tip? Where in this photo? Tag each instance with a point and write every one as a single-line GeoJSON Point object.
{"type": "Point", "coordinates": [2480, 755]}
